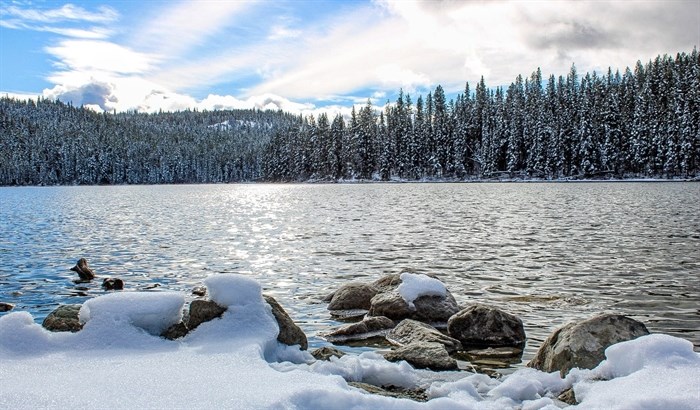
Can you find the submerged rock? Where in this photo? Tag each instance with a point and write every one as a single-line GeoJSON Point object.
{"type": "Point", "coordinates": [199, 291]}
{"type": "Point", "coordinates": [113, 284]}
{"type": "Point", "coordinates": [424, 355]}
{"type": "Point", "coordinates": [326, 352]}
{"type": "Point", "coordinates": [63, 319]}
{"type": "Point", "coordinates": [368, 328]}
{"type": "Point", "coordinates": [480, 325]}
{"type": "Point", "coordinates": [203, 311]}
{"type": "Point", "coordinates": [411, 331]}
{"type": "Point", "coordinates": [83, 270]}
{"type": "Point", "coordinates": [583, 344]}
{"type": "Point", "coordinates": [6, 307]}
{"type": "Point", "coordinates": [290, 334]}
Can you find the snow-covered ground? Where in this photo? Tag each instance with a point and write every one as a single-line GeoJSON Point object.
{"type": "Point", "coordinates": [236, 362]}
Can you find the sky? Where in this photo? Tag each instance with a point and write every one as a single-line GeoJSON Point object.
{"type": "Point", "coordinates": [310, 56]}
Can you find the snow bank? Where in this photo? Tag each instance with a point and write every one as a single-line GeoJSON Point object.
{"type": "Point", "coordinates": [226, 363]}
{"type": "Point", "coordinates": [414, 286]}
{"type": "Point", "coordinates": [153, 312]}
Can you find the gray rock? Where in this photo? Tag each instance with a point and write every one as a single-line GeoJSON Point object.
{"type": "Point", "coordinates": [568, 396]}
{"type": "Point", "coordinates": [480, 325]}
{"type": "Point", "coordinates": [326, 352]}
{"type": "Point", "coordinates": [113, 284]}
{"type": "Point", "coordinates": [352, 296]}
{"type": "Point", "coordinates": [199, 291]}
{"type": "Point", "coordinates": [411, 331]}
{"type": "Point", "coordinates": [430, 309]}
{"type": "Point", "coordinates": [6, 307]}
{"type": "Point", "coordinates": [203, 311]}
{"type": "Point", "coordinates": [369, 327]}
{"type": "Point", "coordinates": [387, 283]}
{"type": "Point", "coordinates": [175, 331]}
{"type": "Point", "coordinates": [392, 391]}
{"type": "Point", "coordinates": [63, 319]}
{"type": "Point", "coordinates": [290, 334]}
{"type": "Point", "coordinates": [583, 344]}
{"type": "Point", "coordinates": [424, 355]}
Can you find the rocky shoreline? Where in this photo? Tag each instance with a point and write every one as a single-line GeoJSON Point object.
{"type": "Point", "coordinates": [419, 318]}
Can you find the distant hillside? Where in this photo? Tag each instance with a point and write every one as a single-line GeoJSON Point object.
{"type": "Point", "coordinates": [644, 123]}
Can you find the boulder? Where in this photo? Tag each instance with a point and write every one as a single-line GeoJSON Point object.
{"type": "Point", "coordinates": [368, 328]}
{"type": "Point", "coordinates": [387, 283]}
{"type": "Point", "coordinates": [326, 352]}
{"type": "Point", "coordinates": [113, 284]}
{"type": "Point", "coordinates": [424, 355]}
{"type": "Point", "coordinates": [411, 331]}
{"type": "Point", "coordinates": [480, 325]}
{"type": "Point", "coordinates": [83, 270]}
{"type": "Point", "coordinates": [6, 307]}
{"type": "Point", "coordinates": [430, 309]}
{"type": "Point", "coordinates": [290, 334]}
{"type": "Point", "coordinates": [203, 311]}
{"type": "Point", "coordinates": [63, 319]}
{"type": "Point", "coordinates": [352, 296]}
{"type": "Point", "coordinates": [583, 344]}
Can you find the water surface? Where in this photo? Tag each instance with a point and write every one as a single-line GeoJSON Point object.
{"type": "Point", "coordinates": [547, 252]}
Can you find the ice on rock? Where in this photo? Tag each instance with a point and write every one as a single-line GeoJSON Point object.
{"type": "Point", "coordinates": [153, 312]}
{"type": "Point", "coordinates": [231, 289]}
{"type": "Point", "coordinates": [415, 285]}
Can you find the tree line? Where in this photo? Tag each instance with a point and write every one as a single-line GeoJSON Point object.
{"type": "Point", "coordinates": [642, 123]}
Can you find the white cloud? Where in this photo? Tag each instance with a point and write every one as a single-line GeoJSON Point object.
{"type": "Point", "coordinates": [68, 12]}
{"type": "Point", "coordinates": [92, 55]}
{"type": "Point", "coordinates": [180, 26]}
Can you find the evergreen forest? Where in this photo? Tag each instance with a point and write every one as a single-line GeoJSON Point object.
{"type": "Point", "coordinates": [642, 123]}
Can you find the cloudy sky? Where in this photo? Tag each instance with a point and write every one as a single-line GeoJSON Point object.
{"type": "Point", "coordinates": [306, 56]}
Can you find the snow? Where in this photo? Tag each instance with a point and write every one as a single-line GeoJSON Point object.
{"type": "Point", "coordinates": [236, 362]}
{"type": "Point", "coordinates": [415, 285]}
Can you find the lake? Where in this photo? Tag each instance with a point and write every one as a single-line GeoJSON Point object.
{"type": "Point", "coordinates": [547, 252]}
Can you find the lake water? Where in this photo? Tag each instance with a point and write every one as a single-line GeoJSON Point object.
{"type": "Point", "coordinates": [547, 252]}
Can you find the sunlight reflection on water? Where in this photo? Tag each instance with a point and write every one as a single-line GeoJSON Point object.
{"type": "Point", "coordinates": [549, 253]}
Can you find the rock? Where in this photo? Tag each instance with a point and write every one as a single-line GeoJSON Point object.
{"type": "Point", "coordinates": [352, 296]}
{"type": "Point", "coordinates": [411, 331]}
{"type": "Point", "coordinates": [392, 391]}
{"type": "Point", "coordinates": [583, 344]}
{"type": "Point", "coordinates": [175, 331]}
{"type": "Point", "coordinates": [568, 396]}
{"type": "Point", "coordinates": [113, 284]}
{"type": "Point", "coordinates": [63, 319]}
{"type": "Point", "coordinates": [424, 355]}
{"type": "Point", "coordinates": [369, 327]}
{"type": "Point", "coordinates": [480, 325]}
{"type": "Point", "coordinates": [430, 309]}
{"type": "Point", "coordinates": [83, 270]}
{"type": "Point", "coordinates": [6, 307]}
{"type": "Point", "coordinates": [199, 291]}
{"type": "Point", "coordinates": [326, 352]}
{"type": "Point", "coordinates": [290, 334]}
{"type": "Point", "coordinates": [387, 283]}
{"type": "Point", "coordinates": [203, 311]}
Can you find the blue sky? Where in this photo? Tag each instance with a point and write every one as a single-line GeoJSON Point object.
{"type": "Point", "coordinates": [309, 56]}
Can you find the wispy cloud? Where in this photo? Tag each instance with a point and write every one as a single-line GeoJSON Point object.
{"type": "Point", "coordinates": [68, 12]}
